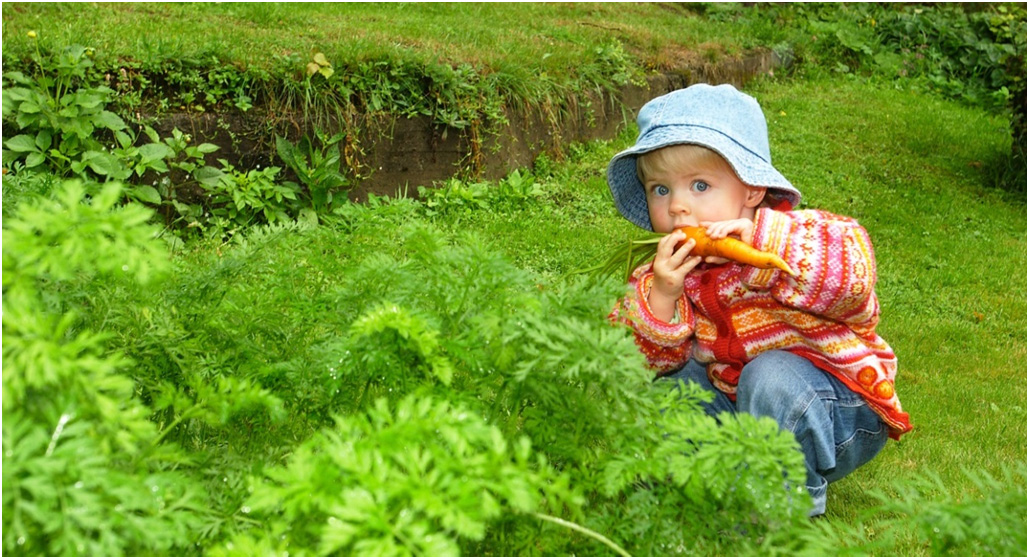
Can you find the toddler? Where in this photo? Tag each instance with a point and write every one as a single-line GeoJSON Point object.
{"type": "Point", "coordinates": [800, 349]}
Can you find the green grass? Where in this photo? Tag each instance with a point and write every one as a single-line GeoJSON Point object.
{"type": "Point", "coordinates": [550, 38]}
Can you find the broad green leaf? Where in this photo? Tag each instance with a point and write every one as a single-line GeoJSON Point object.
{"type": "Point", "coordinates": [87, 99]}
{"type": "Point", "coordinates": [16, 94]}
{"type": "Point", "coordinates": [34, 159]}
{"type": "Point", "coordinates": [319, 57]}
{"type": "Point", "coordinates": [109, 120]}
{"type": "Point", "coordinates": [106, 164]}
{"type": "Point", "coordinates": [146, 193]}
{"type": "Point", "coordinates": [78, 167]}
{"type": "Point", "coordinates": [152, 134]}
{"type": "Point", "coordinates": [29, 107]}
{"type": "Point", "coordinates": [26, 119]}
{"type": "Point", "coordinates": [123, 139]}
{"type": "Point", "coordinates": [154, 151]}
{"type": "Point", "coordinates": [79, 127]}
{"type": "Point", "coordinates": [22, 143]}
{"type": "Point", "coordinates": [208, 175]}
{"type": "Point", "coordinates": [159, 166]}
{"type": "Point", "coordinates": [71, 112]}
{"type": "Point", "coordinates": [18, 77]}
{"type": "Point", "coordinates": [75, 52]}
{"type": "Point", "coordinates": [286, 150]}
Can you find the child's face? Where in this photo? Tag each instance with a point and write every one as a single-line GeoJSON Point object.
{"type": "Point", "coordinates": [677, 196]}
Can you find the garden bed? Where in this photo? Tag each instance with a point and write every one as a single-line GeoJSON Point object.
{"type": "Point", "coordinates": [394, 154]}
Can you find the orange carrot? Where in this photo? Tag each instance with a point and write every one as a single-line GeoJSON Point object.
{"type": "Point", "coordinates": [733, 250]}
{"type": "Point", "coordinates": [627, 257]}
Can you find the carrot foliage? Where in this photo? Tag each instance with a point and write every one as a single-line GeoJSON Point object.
{"type": "Point", "coordinates": [406, 391]}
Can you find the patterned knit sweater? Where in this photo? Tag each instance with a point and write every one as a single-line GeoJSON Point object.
{"type": "Point", "coordinates": [732, 313]}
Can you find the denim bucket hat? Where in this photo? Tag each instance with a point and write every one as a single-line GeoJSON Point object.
{"type": "Point", "coordinates": [719, 118]}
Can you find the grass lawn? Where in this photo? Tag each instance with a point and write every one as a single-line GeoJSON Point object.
{"type": "Point", "coordinates": [523, 40]}
{"type": "Point", "coordinates": [543, 36]}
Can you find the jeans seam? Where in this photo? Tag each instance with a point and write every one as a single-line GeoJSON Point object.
{"type": "Point", "coordinates": [845, 445]}
{"type": "Point", "coordinates": [795, 419]}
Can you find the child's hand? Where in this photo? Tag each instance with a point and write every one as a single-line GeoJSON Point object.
{"type": "Point", "coordinates": [742, 228]}
{"type": "Point", "coordinates": [669, 269]}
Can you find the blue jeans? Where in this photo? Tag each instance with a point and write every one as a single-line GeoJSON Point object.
{"type": "Point", "coordinates": [835, 428]}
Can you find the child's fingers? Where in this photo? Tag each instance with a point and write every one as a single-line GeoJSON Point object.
{"type": "Point", "coordinates": [718, 230]}
{"type": "Point", "coordinates": [683, 247]}
{"type": "Point", "coordinates": [689, 264]}
{"type": "Point", "coordinates": [666, 246]}
{"type": "Point", "coordinates": [682, 254]}
{"type": "Point", "coordinates": [724, 229]}
{"type": "Point", "coordinates": [671, 267]}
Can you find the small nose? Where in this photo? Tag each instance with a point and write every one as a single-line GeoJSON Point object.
{"type": "Point", "coordinates": [679, 205]}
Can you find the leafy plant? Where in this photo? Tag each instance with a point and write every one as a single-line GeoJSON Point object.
{"type": "Point", "coordinates": [157, 159]}
{"type": "Point", "coordinates": [467, 327]}
{"type": "Point", "coordinates": [240, 198]}
{"type": "Point", "coordinates": [414, 479]}
{"type": "Point", "coordinates": [975, 55]}
{"type": "Point", "coordinates": [206, 84]}
{"type": "Point", "coordinates": [316, 164]}
{"type": "Point", "coordinates": [59, 117]}
{"type": "Point", "coordinates": [21, 186]}
{"type": "Point", "coordinates": [84, 470]}
{"type": "Point", "coordinates": [68, 130]}
{"type": "Point", "coordinates": [456, 198]}
{"type": "Point", "coordinates": [319, 65]}
{"type": "Point", "coordinates": [992, 522]}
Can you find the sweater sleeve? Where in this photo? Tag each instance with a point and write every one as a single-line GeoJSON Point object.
{"type": "Point", "coordinates": [667, 346]}
{"type": "Point", "coordinates": [833, 260]}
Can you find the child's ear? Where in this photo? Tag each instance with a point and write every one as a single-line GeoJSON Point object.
{"type": "Point", "coordinates": [754, 196]}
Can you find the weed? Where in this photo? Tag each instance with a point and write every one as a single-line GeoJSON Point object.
{"type": "Point", "coordinates": [241, 198]}
{"type": "Point", "coordinates": [58, 119]}
{"type": "Point", "coordinates": [316, 164]}
{"type": "Point", "coordinates": [67, 129]}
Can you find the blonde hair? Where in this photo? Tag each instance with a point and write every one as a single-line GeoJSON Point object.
{"type": "Point", "coordinates": [688, 155]}
{"type": "Point", "coordinates": [679, 156]}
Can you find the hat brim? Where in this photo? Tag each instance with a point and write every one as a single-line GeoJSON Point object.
{"type": "Point", "coordinates": [630, 196]}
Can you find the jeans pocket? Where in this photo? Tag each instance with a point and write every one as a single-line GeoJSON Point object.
{"type": "Point", "coordinates": [860, 435]}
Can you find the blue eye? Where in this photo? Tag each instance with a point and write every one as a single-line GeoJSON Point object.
{"type": "Point", "coordinates": [661, 190]}
{"type": "Point", "coordinates": [700, 185]}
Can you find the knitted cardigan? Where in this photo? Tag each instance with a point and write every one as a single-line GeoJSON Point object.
{"type": "Point", "coordinates": [732, 313]}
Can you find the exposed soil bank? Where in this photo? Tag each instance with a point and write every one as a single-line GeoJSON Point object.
{"type": "Point", "coordinates": [397, 154]}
